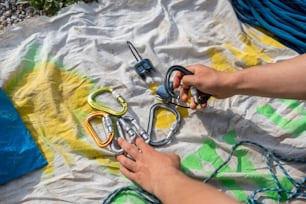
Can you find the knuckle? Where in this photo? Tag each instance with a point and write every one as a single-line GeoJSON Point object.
{"type": "Point", "coordinates": [175, 157]}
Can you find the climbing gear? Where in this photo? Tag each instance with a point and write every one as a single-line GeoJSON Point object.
{"type": "Point", "coordinates": [139, 192]}
{"type": "Point", "coordinates": [298, 192]}
{"type": "Point", "coordinates": [199, 97]}
{"type": "Point", "coordinates": [114, 146]}
{"type": "Point", "coordinates": [143, 66]}
{"type": "Point", "coordinates": [270, 158]}
{"type": "Point", "coordinates": [99, 106]}
{"type": "Point", "coordinates": [163, 95]}
{"type": "Point", "coordinates": [173, 128]}
{"type": "Point", "coordinates": [129, 125]}
{"type": "Point", "coordinates": [107, 124]}
{"type": "Point", "coordinates": [286, 20]}
{"type": "Point", "coordinates": [133, 129]}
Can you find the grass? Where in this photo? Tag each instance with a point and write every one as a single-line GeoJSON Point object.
{"type": "Point", "coordinates": [51, 7]}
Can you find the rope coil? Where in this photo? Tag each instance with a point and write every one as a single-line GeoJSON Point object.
{"type": "Point", "coordinates": [297, 192]}
{"type": "Point", "coordinates": [285, 19]}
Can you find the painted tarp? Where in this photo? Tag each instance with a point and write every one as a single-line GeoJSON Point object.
{"type": "Point", "coordinates": [50, 65]}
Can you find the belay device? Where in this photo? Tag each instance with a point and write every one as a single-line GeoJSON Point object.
{"type": "Point", "coordinates": [143, 66]}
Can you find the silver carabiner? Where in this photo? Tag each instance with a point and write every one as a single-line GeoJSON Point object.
{"type": "Point", "coordinates": [114, 146]}
{"type": "Point", "coordinates": [174, 127]}
{"type": "Point", "coordinates": [133, 128]}
{"type": "Point", "coordinates": [140, 130]}
{"type": "Point", "coordinates": [124, 122]}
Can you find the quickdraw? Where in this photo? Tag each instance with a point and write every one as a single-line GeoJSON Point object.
{"type": "Point", "coordinates": [166, 91]}
{"type": "Point", "coordinates": [107, 122]}
{"type": "Point", "coordinates": [99, 106]}
{"type": "Point", "coordinates": [173, 128]}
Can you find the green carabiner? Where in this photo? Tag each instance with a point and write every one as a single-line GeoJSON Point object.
{"type": "Point", "coordinates": [96, 105]}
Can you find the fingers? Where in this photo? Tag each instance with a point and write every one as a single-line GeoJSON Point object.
{"type": "Point", "coordinates": [177, 79]}
{"type": "Point", "coordinates": [127, 163]}
{"type": "Point", "coordinates": [126, 172]}
{"type": "Point", "coordinates": [130, 149]}
{"type": "Point", "coordinates": [142, 145]}
{"type": "Point", "coordinates": [192, 104]}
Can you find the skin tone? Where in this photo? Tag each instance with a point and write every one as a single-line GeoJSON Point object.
{"type": "Point", "coordinates": [286, 79]}
{"type": "Point", "coordinates": [160, 173]}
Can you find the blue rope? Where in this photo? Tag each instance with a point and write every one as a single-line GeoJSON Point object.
{"type": "Point", "coordinates": [285, 19]}
{"type": "Point", "coordinates": [270, 157]}
{"type": "Point", "coordinates": [139, 192]}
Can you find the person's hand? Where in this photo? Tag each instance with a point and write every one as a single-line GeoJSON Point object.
{"type": "Point", "coordinates": [147, 167]}
{"type": "Point", "coordinates": [205, 79]}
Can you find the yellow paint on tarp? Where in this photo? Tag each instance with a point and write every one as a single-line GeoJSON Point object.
{"type": "Point", "coordinates": [219, 61]}
{"type": "Point", "coordinates": [165, 118]}
{"type": "Point", "coordinates": [53, 104]}
{"type": "Point", "coordinates": [251, 54]}
{"type": "Point", "coordinates": [265, 39]}
{"type": "Point", "coordinates": [254, 52]}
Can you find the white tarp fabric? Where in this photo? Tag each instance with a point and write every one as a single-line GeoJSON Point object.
{"type": "Point", "coordinates": [48, 66]}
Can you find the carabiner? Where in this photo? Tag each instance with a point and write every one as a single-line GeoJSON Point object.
{"type": "Point", "coordinates": [173, 128]}
{"type": "Point", "coordinates": [93, 103]}
{"type": "Point", "coordinates": [133, 129]}
{"type": "Point", "coordinates": [114, 146]}
{"type": "Point", "coordinates": [199, 97]}
{"type": "Point", "coordinates": [107, 123]}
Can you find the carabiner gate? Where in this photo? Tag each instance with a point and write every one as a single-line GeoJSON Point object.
{"type": "Point", "coordinates": [93, 103]}
{"type": "Point", "coordinates": [199, 97]}
{"type": "Point", "coordinates": [107, 123]}
{"type": "Point", "coordinates": [174, 127]}
{"type": "Point", "coordinates": [133, 129]}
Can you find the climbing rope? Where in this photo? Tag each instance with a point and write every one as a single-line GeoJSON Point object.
{"type": "Point", "coordinates": [139, 192]}
{"type": "Point", "coordinates": [286, 20]}
{"type": "Point", "coordinates": [270, 157]}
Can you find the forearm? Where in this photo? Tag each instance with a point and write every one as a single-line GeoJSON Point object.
{"type": "Point", "coordinates": [179, 188]}
{"type": "Point", "coordinates": [285, 79]}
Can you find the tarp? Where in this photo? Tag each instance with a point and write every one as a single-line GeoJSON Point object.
{"type": "Point", "coordinates": [49, 66]}
{"type": "Point", "coordinates": [19, 153]}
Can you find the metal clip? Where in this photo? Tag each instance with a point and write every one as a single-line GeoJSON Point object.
{"type": "Point", "coordinates": [93, 103]}
{"type": "Point", "coordinates": [174, 127]}
{"type": "Point", "coordinates": [133, 128]}
{"type": "Point", "coordinates": [128, 128]}
{"type": "Point", "coordinates": [140, 130]}
{"type": "Point", "coordinates": [107, 123]}
{"type": "Point", "coordinates": [199, 97]}
{"type": "Point", "coordinates": [114, 145]}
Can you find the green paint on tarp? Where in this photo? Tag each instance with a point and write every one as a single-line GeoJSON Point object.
{"type": "Point", "coordinates": [295, 127]}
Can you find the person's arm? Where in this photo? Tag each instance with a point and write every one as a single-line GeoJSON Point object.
{"type": "Point", "coordinates": [286, 79]}
{"type": "Point", "coordinates": [160, 174]}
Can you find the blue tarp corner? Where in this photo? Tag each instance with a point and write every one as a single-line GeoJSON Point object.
{"type": "Point", "coordinates": [18, 151]}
